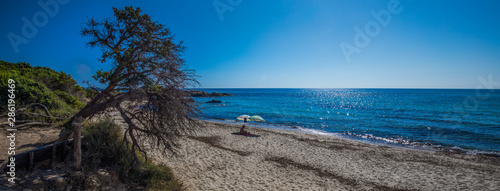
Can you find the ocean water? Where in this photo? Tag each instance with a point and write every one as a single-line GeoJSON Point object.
{"type": "Point", "coordinates": [464, 120]}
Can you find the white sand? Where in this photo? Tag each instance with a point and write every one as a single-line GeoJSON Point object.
{"type": "Point", "coordinates": [214, 159]}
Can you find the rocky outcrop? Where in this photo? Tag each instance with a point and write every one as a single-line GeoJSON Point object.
{"type": "Point", "coordinates": [198, 93]}
{"type": "Point", "coordinates": [214, 101]}
{"type": "Point", "coordinates": [217, 94]}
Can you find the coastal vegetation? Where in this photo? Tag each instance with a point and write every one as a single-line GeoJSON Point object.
{"type": "Point", "coordinates": [61, 96]}
{"type": "Point", "coordinates": [145, 83]}
{"type": "Point", "coordinates": [43, 95]}
{"type": "Point", "coordinates": [105, 148]}
{"type": "Point", "coordinates": [56, 90]}
{"type": "Point", "coordinates": [48, 98]}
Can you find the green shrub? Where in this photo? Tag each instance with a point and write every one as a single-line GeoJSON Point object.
{"type": "Point", "coordinates": [69, 99]}
{"type": "Point", "coordinates": [160, 177]}
{"type": "Point", "coordinates": [56, 90]}
{"type": "Point", "coordinates": [27, 91]}
{"type": "Point", "coordinates": [90, 92]}
{"type": "Point", "coordinates": [103, 142]}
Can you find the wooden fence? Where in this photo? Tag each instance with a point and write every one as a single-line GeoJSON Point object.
{"type": "Point", "coordinates": [46, 155]}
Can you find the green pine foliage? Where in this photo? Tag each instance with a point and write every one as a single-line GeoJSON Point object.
{"type": "Point", "coordinates": [56, 90]}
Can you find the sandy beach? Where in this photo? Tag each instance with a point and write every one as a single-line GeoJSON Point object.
{"type": "Point", "coordinates": [214, 159]}
{"type": "Point", "coordinates": [340, 95]}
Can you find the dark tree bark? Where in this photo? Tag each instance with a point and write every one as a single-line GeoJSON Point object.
{"type": "Point", "coordinates": [146, 81]}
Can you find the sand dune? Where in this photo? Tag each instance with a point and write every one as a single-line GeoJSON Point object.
{"type": "Point", "coordinates": [214, 159]}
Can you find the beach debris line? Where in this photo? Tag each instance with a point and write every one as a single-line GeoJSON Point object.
{"type": "Point", "coordinates": [214, 141]}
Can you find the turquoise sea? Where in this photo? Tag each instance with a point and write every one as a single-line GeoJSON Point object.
{"type": "Point", "coordinates": [449, 119]}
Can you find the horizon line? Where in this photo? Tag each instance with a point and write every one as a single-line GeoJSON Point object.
{"type": "Point", "coordinates": [356, 88]}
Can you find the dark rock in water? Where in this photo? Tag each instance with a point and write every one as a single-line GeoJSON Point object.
{"type": "Point", "coordinates": [214, 101]}
{"type": "Point", "coordinates": [216, 94]}
{"type": "Point", "coordinates": [190, 99]}
{"type": "Point", "coordinates": [198, 93]}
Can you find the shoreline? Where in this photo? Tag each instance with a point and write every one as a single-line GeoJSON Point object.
{"type": "Point", "coordinates": [374, 141]}
{"type": "Point", "coordinates": [214, 159]}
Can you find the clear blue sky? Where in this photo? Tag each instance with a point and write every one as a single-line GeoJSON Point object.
{"type": "Point", "coordinates": [285, 43]}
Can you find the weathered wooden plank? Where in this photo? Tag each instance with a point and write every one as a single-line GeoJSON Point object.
{"type": "Point", "coordinates": [3, 164]}
{"type": "Point", "coordinates": [50, 153]}
{"type": "Point", "coordinates": [65, 144]}
{"type": "Point", "coordinates": [77, 148]}
{"type": "Point", "coordinates": [31, 160]}
{"type": "Point", "coordinates": [54, 154]}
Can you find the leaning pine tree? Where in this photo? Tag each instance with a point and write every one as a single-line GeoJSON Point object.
{"type": "Point", "coordinates": [146, 81]}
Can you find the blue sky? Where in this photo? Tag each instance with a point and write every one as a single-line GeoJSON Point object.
{"type": "Point", "coordinates": [285, 43]}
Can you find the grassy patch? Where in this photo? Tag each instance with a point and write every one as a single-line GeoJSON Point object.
{"type": "Point", "coordinates": [105, 148]}
{"type": "Point", "coordinates": [160, 177]}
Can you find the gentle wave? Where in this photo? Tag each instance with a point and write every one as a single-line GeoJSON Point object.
{"type": "Point", "coordinates": [366, 138]}
{"type": "Point", "coordinates": [432, 118]}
